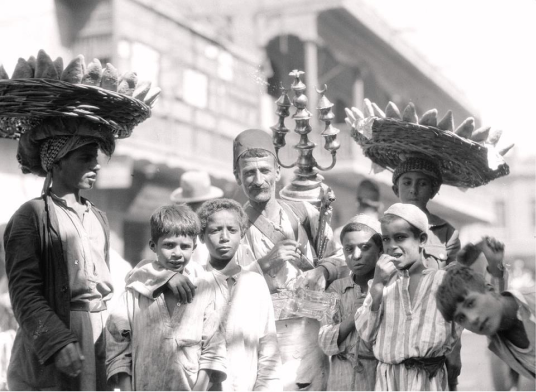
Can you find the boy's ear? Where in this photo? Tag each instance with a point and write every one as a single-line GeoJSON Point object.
{"type": "Point", "coordinates": [152, 245]}
{"type": "Point", "coordinates": [423, 237]}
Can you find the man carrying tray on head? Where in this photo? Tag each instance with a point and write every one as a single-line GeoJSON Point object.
{"type": "Point", "coordinates": [279, 242]}
{"type": "Point", "coordinates": [57, 245]}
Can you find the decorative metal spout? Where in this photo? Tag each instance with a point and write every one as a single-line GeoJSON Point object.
{"type": "Point", "coordinates": [307, 183]}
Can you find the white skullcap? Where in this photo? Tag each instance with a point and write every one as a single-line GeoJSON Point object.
{"type": "Point", "coordinates": [410, 213]}
{"type": "Point", "coordinates": [368, 221]}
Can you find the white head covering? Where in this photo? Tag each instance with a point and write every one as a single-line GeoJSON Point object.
{"type": "Point", "coordinates": [410, 213]}
{"type": "Point", "coordinates": [368, 221]}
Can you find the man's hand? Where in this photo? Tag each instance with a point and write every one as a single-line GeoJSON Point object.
{"type": "Point", "coordinates": [182, 287]}
{"type": "Point", "coordinates": [384, 270]}
{"type": "Point", "coordinates": [69, 360]}
{"type": "Point", "coordinates": [494, 252]}
{"type": "Point", "coordinates": [285, 250]}
{"type": "Point", "coordinates": [353, 117]}
{"type": "Point", "coordinates": [314, 279]}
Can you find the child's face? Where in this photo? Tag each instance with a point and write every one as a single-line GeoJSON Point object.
{"type": "Point", "coordinates": [360, 252]}
{"type": "Point", "coordinates": [415, 188]}
{"type": "Point", "coordinates": [400, 243]}
{"type": "Point", "coordinates": [480, 313]}
{"type": "Point", "coordinates": [173, 252]}
{"type": "Point", "coordinates": [222, 235]}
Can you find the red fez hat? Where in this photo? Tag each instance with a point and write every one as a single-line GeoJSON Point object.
{"type": "Point", "coordinates": [252, 139]}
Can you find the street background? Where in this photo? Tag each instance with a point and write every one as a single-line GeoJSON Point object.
{"type": "Point", "coordinates": [219, 64]}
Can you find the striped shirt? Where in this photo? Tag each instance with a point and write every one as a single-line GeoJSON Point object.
{"type": "Point", "coordinates": [399, 330]}
{"type": "Point", "coordinates": [353, 366]}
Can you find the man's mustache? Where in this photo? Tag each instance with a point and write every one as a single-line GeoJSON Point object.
{"type": "Point", "coordinates": [259, 187]}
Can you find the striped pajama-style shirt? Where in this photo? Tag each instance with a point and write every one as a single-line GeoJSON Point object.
{"type": "Point", "coordinates": [399, 330]}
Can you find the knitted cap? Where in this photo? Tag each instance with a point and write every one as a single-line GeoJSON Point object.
{"type": "Point", "coordinates": [411, 214]}
{"type": "Point", "coordinates": [418, 164]}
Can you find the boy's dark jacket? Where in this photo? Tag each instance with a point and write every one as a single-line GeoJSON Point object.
{"type": "Point", "coordinates": [40, 294]}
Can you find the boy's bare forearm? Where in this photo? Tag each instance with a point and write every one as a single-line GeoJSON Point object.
{"type": "Point", "coordinates": [376, 293]}
{"type": "Point", "coordinates": [203, 379]}
{"type": "Point", "coordinates": [345, 329]}
{"type": "Point", "coordinates": [124, 382]}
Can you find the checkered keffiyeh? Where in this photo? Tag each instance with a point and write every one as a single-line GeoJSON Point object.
{"type": "Point", "coordinates": [55, 148]}
{"type": "Point", "coordinates": [417, 164]}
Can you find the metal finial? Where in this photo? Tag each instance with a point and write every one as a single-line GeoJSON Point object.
{"type": "Point", "coordinates": [323, 91]}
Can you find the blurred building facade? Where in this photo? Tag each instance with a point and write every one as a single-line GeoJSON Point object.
{"type": "Point", "coordinates": [514, 206]}
{"type": "Point", "coordinates": [219, 64]}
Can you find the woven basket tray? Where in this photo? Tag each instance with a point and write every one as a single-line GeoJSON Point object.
{"type": "Point", "coordinates": [23, 102]}
{"type": "Point", "coordinates": [463, 163]}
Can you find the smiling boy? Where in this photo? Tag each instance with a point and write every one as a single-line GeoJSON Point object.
{"type": "Point", "coordinates": [157, 343]}
{"type": "Point", "coordinates": [507, 319]}
{"type": "Point", "coordinates": [410, 337]}
{"type": "Point", "coordinates": [353, 366]}
{"type": "Point", "coordinates": [242, 299]}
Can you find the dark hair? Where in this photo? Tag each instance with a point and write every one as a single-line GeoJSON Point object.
{"type": "Point", "coordinates": [354, 226]}
{"type": "Point", "coordinates": [176, 219]}
{"type": "Point", "coordinates": [212, 206]}
{"type": "Point", "coordinates": [389, 218]}
{"type": "Point", "coordinates": [455, 286]}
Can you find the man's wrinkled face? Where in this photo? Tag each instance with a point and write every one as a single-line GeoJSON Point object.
{"type": "Point", "coordinates": [479, 313]}
{"type": "Point", "coordinates": [78, 169]}
{"type": "Point", "coordinates": [257, 176]}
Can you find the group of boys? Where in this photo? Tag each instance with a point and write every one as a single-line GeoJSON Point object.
{"type": "Point", "coordinates": [397, 325]}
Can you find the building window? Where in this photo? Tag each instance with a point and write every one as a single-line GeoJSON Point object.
{"type": "Point", "coordinates": [195, 86]}
{"type": "Point", "coordinates": [500, 213]}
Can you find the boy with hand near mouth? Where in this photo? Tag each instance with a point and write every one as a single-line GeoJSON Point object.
{"type": "Point", "coordinates": [243, 300]}
{"type": "Point", "coordinates": [353, 366]}
{"type": "Point", "coordinates": [507, 319]}
{"type": "Point", "coordinates": [409, 336]}
{"type": "Point", "coordinates": [157, 343]}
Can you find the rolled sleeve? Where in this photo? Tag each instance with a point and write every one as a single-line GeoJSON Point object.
{"type": "Point", "coordinates": [148, 280]}
{"type": "Point", "coordinates": [119, 338]}
{"type": "Point", "coordinates": [327, 339]}
{"type": "Point", "coordinates": [367, 321]}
